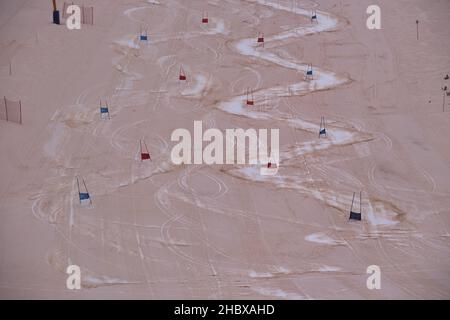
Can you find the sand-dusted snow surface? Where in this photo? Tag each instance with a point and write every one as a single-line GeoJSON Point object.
{"type": "Point", "coordinates": [157, 230]}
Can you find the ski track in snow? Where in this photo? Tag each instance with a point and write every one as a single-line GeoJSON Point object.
{"type": "Point", "coordinates": [48, 203]}
{"type": "Point", "coordinates": [322, 80]}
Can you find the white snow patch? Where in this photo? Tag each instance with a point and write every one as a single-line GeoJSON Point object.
{"type": "Point", "coordinates": [219, 28]}
{"type": "Point", "coordinates": [254, 274]}
{"type": "Point", "coordinates": [128, 42]}
{"type": "Point", "coordinates": [200, 86]}
{"type": "Point", "coordinates": [56, 138]}
{"type": "Point", "coordinates": [380, 216]}
{"type": "Point", "coordinates": [326, 268]}
{"type": "Point", "coordinates": [278, 293]}
{"type": "Point", "coordinates": [105, 280]}
{"type": "Point", "coordinates": [322, 238]}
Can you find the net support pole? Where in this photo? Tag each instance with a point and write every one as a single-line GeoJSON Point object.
{"type": "Point", "coordinates": [360, 204]}
{"type": "Point", "coordinates": [320, 127]}
{"type": "Point", "coordinates": [351, 208]}
{"type": "Point", "coordinates": [90, 200]}
{"type": "Point", "coordinates": [78, 184]}
{"type": "Point", "coordinates": [20, 111]}
{"type": "Point", "coordinates": [443, 102]}
{"type": "Point", "coordinates": [146, 150]}
{"type": "Point", "coordinates": [6, 109]}
{"type": "Point", "coordinates": [145, 145]}
{"type": "Point", "coordinates": [417, 29]}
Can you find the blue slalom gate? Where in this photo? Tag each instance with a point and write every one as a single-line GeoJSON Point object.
{"type": "Point", "coordinates": [314, 16]}
{"type": "Point", "coordinates": [143, 35]}
{"type": "Point", "coordinates": [104, 110]}
{"type": "Point", "coordinates": [322, 129]}
{"type": "Point", "coordinates": [355, 215]}
{"type": "Point", "coordinates": [309, 72]}
{"type": "Point", "coordinates": [83, 196]}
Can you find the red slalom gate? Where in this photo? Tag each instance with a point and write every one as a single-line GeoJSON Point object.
{"type": "Point", "coordinates": [271, 165]}
{"type": "Point", "coordinates": [182, 75]}
{"type": "Point", "coordinates": [250, 101]}
{"type": "Point", "coordinates": [145, 155]}
{"type": "Point", "coordinates": [260, 38]}
{"type": "Point", "coordinates": [205, 17]}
